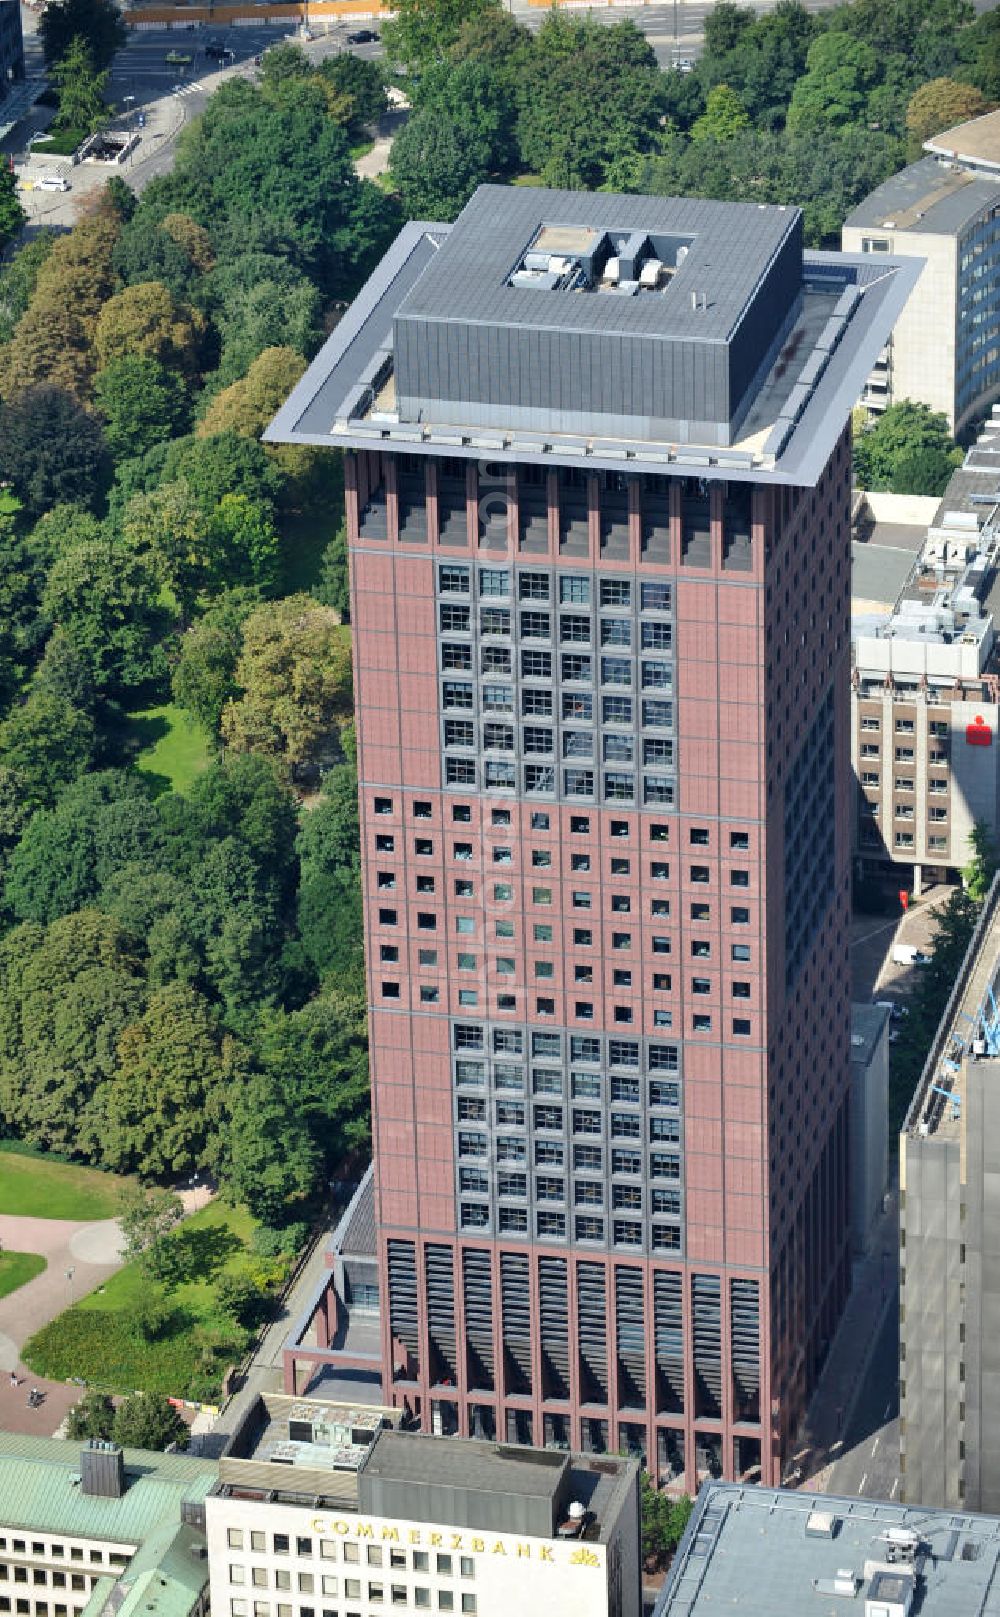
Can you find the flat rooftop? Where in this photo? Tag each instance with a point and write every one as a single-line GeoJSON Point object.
{"type": "Point", "coordinates": [977, 141]}
{"type": "Point", "coordinates": [929, 197]}
{"type": "Point", "coordinates": [563, 328]}
{"type": "Point", "coordinates": [40, 1487]}
{"type": "Point", "coordinates": [482, 1467]}
{"type": "Point", "coordinates": [483, 1485]}
{"type": "Point", "coordinates": [936, 1108]}
{"type": "Point", "coordinates": [867, 1026]}
{"type": "Point", "coordinates": [761, 1552]}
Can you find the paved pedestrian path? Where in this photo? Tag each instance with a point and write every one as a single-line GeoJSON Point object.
{"type": "Point", "coordinates": [79, 1256]}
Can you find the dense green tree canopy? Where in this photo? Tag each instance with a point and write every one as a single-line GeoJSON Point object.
{"type": "Point", "coordinates": [97, 22]}
{"type": "Point", "coordinates": [142, 402]}
{"type": "Point", "coordinates": [66, 993]}
{"type": "Point", "coordinates": [907, 450]}
{"type": "Point", "coordinates": [68, 853]}
{"type": "Point", "coordinates": [51, 450]}
{"type": "Point", "coordinates": [12, 215]}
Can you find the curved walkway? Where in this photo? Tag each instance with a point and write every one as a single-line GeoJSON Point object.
{"type": "Point", "coordinates": [78, 1257]}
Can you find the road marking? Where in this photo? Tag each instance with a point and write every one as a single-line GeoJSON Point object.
{"type": "Point", "coordinates": [864, 1479]}
{"type": "Point", "coordinates": [888, 1412]}
{"type": "Point", "coordinates": [892, 1491]}
{"type": "Point", "coordinates": [874, 1447]}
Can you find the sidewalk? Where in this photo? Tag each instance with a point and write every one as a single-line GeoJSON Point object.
{"type": "Point", "coordinates": [874, 1291]}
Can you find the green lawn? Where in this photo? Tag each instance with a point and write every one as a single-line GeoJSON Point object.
{"type": "Point", "coordinates": [100, 1338]}
{"type": "Point", "coordinates": [39, 1187]}
{"type": "Point", "coordinates": [171, 748]}
{"type": "Point", "coordinates": [17, 1268]}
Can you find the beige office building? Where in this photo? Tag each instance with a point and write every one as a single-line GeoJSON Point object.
{"type": "Point", "coordinates": [86, 1533]}
{"type": "Point", "coordinates": [322, 1511]}
{"type": "Point", "coordinates": [945, 348]}
{"type": "Point", "coordinates": [925, 701]}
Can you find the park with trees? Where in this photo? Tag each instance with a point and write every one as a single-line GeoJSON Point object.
{"type": "Point", "coordinates": [181, 970]}
{"type": "Point", "coordinates": [812, 109]}
{"type": "Point", "coordinates": [177, 798]}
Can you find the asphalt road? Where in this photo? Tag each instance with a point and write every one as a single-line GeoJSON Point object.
{"type": "Point", "coordinates": [868, 1462]}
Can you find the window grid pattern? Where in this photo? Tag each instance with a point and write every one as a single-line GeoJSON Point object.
{"type": "Point", "coordinates": [596, 1161]}
{"type": "Point", "coordinates": [560, 689]}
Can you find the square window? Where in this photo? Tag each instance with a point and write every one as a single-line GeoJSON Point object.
{"type": "Point", "coordinates": [741, 1027]}
{"type": "Point", "coordinates": [539, 822]}
{"type": "Point", "coordinates": [428, 995]}
{"type": "Point", "coordinates": [390, 990]}
{"type": "Point", "coordinates": [427, 957]}
{"type": "Point", "coordinates": [421, 810]}
{"type": "Point", "coordinates": [583, 937]}
{"type": "Point", "coordinates": [388, 953]}
{"type": "Point", "coordinates": [739, 915]}
{"type": "Point", "coordinates": [383, 805]}
{"type": "Point", "coordinates": [702, 1024]}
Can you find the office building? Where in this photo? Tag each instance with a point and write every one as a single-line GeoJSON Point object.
{"type": "Point", "coordinates": [102, 1529]}
{"type": "Point", "coordinates": [945, 210]}
{"type": "Point", "coordinates": [926, 689]}
{"type": "Point", "coordinates": [766, 1553]}
{"type": "Point", "coordinates": [950, 1246]}
{"type": "Point", "coordinates": [597, 457]}
{"type": "Point", "coordinates": [326, 1511]}
{"type": "Point", "coordinates": [11, 49]}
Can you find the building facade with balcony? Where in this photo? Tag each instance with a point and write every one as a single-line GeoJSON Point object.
{"type": "Point", "coordinates": [945, 210]}
{"type": "Point", "coordinates": [597, 458]}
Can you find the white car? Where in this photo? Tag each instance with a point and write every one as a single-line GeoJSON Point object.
{"type": "Point", "coordinates": [53, 182]}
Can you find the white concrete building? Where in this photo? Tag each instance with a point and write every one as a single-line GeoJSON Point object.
{"type": "Point", "coordinates": [925, 705]}
{"type": "Point", "coordinates": [945, 348]}
{"type": "Point", "coordinates": [344, 1520]}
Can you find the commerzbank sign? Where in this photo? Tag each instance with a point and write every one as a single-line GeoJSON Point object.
{"type": "Point", "coordinates": [511, 1549]}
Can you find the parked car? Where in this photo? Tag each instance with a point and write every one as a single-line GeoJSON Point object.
{"type": "Point", "coordinates": [904, 954]}
{"type": "Point", "coordinates": [178, 59]}
{"type": "Point", "coordinates": [363, 36]}
{"type": "Point", "coordinates": [53, 182]}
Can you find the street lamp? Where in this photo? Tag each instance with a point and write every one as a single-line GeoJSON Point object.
{"type": "Point", "coordinates": [70, 1272]}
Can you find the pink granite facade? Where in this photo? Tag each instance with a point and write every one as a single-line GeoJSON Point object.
{"type": "Point", "coordinates": [670, 1290]}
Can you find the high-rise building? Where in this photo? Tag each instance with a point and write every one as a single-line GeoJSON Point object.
{"type": "Point", "coordinates": [597, 460]}
{"type": "Point", "coordinates": [11, 49]}
{"type": "Point", "coordinates": [949, 1275]}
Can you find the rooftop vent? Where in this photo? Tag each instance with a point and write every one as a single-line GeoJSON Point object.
{"type": "Point", "coordinates": [102, 1470]}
